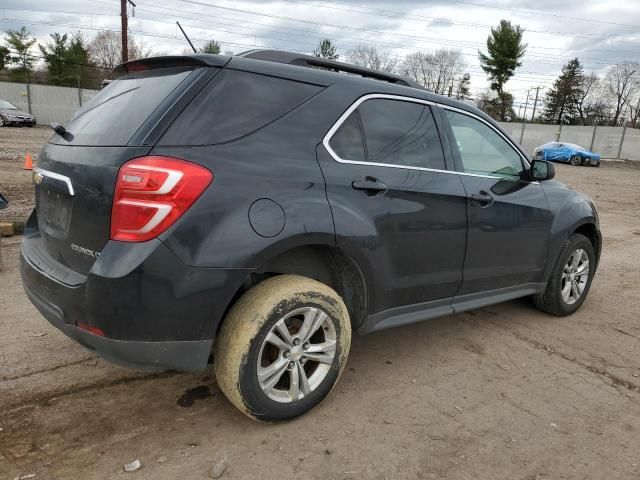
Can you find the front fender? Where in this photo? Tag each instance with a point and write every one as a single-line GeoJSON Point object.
{"type": "Point", "coordinates": [571, 210]}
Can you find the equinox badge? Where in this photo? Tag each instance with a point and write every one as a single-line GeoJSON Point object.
{"type": "Point", "coordinates": [85, 251]}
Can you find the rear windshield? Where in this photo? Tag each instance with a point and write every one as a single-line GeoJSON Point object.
{"type": "Point", "coordinates": [114, 114]}
{"type": "Point", "coordinates": [235, 104]}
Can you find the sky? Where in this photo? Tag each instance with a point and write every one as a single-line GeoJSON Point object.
{"type": "Point", "coordinates": [599, 32]}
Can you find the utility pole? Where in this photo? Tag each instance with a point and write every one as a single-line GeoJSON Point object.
{"type": "Point", "coordinates": [535, 103]}
{"type": "Point", "coordinates": [124, 26]}
{"type": "Point", "coordinates": [526, 104]}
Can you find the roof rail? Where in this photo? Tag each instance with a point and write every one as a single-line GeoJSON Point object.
{"type": "Point", "coordinates": [280, 56]}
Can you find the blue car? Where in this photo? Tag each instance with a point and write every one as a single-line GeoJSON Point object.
{"type": "Point", "coordinates": [566, 153]}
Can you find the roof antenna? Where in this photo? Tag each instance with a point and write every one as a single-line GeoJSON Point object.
{"type": "Point", "coordinates": [185, 36]}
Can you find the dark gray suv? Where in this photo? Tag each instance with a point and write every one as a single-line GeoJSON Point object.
{"type": "Point", "coordinates": [258, 209]}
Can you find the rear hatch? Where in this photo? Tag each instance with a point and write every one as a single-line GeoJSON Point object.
{"type": "Point", "coordinates": [77, 170]}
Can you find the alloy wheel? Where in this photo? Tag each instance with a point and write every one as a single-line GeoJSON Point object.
{"type": "Point", "coordinates": [575, 276]}
{"type": "Point", "coordinates": [296, 355]}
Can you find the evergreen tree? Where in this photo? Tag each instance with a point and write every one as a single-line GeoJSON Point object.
{"type": "Point", "coordinates": [4, 57]}
{"type": "Point", "coordinates": [504, 53]}
{"type": "Point", "coordinates": [462, 92]}
{"type": "Point", "coordinates": [66, 59]}
{"type": "Point", "coordinates": [210, 47]}
{"type": "Point", "coordinates": [505, 50]}
{"type": "Point", "coordinates": [562, 103]}
{"type": "Point", "coordinates": [497, 106]}
{"type": "Point", "coordinates": [19, 42]}
{"type": "Point", "coordinates": [54, 54]}
{"type": "Point", "coordinates": [326, 49]}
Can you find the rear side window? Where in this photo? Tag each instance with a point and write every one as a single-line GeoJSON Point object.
{"type": "Point", "coordinates": [347, 142]}
{"type": "Point", "coordinates": [113, 116]}
{"type": "Point", "coordinates": [235, 104]}
{"type": "Point", "coordinates": [395, 133]}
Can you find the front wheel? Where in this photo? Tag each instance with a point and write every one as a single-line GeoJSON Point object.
{"type": "Point", "coordinates": [282, 347]}
{"type": "Point", "coordinates": [570, 279]}
{"type": "Point", "coordinates": [575, 160]}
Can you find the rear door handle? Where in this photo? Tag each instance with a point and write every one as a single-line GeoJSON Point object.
{"type": "Point", "coordinates": [483, 198]}
{"type": "Point", "coordinates": [370, 184]}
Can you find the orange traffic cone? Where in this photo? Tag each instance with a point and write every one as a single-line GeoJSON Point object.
{"type": "Point", "coordinates": [28, 162]}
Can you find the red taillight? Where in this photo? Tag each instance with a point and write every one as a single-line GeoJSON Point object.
{"type": "Point", "coordinates": [90, 329]}
{"type": "Point", "coordinates": [152, 193]}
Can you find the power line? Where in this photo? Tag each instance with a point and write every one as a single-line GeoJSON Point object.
{"type": "Point", "coordinates": [460, 44]}
{"type": "Point", "coordinates": [547, 14]}
{"type": "Point", "coordinates": [518, 77]}
{"type": "Point", "coordinates": [398, 14]}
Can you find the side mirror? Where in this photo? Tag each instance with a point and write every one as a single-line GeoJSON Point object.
{"type": "Point", "coordinates": [542, 170]}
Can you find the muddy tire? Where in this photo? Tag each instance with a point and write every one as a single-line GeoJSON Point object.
{"type": "Point", "coordinates": [282, 347]}
{"type": "Point", "coordinates": [570, 279]}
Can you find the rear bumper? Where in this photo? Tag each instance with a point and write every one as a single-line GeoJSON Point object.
{"type": "Point", "coordinates": [156, 313]}
{"type": "Point", "coordinates": [189, 356]}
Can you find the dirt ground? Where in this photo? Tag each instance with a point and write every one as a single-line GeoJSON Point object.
{"type": "Point", "coordinates": [503, 392]}
{"type": "Point", "coordinates": [15, 182]}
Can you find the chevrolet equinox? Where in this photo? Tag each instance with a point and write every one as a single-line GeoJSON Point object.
{"type": "Point", "coordinates": [257, 209]}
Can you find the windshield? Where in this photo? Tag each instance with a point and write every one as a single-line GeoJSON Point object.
{"type": "Point", "coordinates": [7, 106]}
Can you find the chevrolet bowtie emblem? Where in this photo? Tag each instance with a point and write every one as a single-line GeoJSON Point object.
{"type": "Point", "coordinates": [37, 177]}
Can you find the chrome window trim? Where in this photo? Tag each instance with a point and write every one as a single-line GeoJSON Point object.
{"type": "Point", "coordinates": [364, 98]}
{"type": "Point", "coordinates": [55, 176]}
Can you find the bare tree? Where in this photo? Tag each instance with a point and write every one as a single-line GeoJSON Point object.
{"type": "Point", "coordinates": [623, 82]}
{"type": "Point", "coordinates": [105, 49]}
{"type": "Point", "coordinates": [370, 57]}
{"type": "Point", "coordinates": [589, 86]}
{"type": "Point", "coordinates": [634, 110]}
{"type": "Point", "coordinates": [437, 71]}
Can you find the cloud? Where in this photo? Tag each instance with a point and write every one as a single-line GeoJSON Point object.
{"type": "Point", "coordinates": [396, 26]}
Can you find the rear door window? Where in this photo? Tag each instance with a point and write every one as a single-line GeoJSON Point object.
{"type": "Point", "coordinates": [115, 114]}
{"type": "Point", "coordinates": [395, 132]}
{"type": "Point", "coordinates": [236, 104]}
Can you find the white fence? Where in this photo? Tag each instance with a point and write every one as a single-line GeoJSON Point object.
{"type": "Point", "coordinates": [47, 103]}
{"type": "Point", "coordinates": [609, 142]}
{"type": "Point", "coordinates": [57, 104]}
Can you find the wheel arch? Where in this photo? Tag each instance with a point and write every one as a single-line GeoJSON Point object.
{"type": "Point", "coordinates": [325, 263]}
{"type": "Point", "coordinates": [590, 230]}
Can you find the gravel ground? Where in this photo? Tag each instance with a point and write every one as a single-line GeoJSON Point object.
{"type": "Point", "coordinates": [499, 392]}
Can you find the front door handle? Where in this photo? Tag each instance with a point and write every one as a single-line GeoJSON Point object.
{"type": "Point", "coordinates": [483, 198]}
{"type": "Point", "coordinates": [370, 184]}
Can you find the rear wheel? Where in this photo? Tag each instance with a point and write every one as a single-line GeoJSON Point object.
{"type": "Point", "coordinates": [575, 160]}
{"type": "Point", "coordinates": [282, 347]}
{"type": "Point", "coordinates": [570, 279]}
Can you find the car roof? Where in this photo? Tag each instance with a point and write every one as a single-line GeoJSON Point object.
{"type": "Point", "coordinates": [306, 68]}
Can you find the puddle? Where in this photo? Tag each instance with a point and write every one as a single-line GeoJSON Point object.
{"type": "Point", "coordinates": [188, 398]}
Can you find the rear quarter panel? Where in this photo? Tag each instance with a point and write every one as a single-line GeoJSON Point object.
{"type": "Point", "coordinates": [278, 162]}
